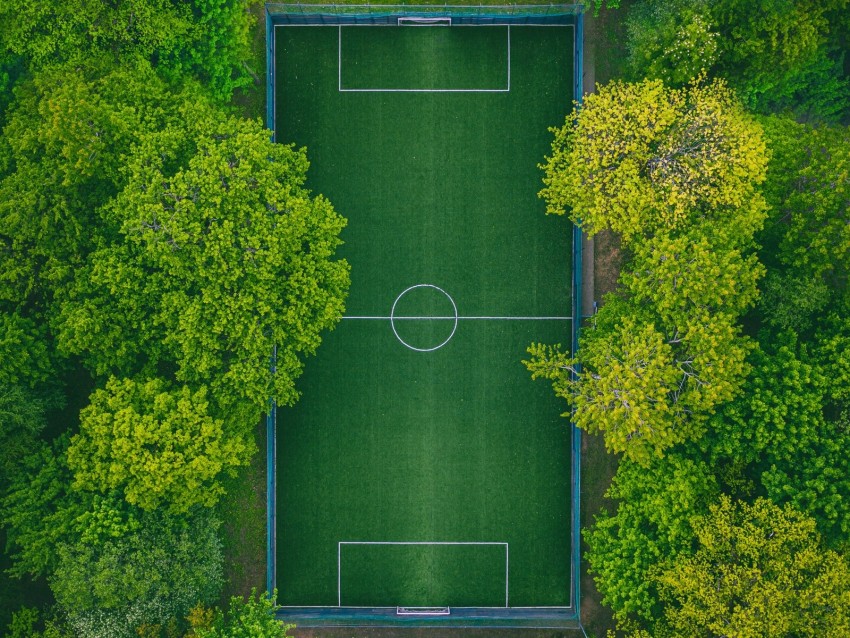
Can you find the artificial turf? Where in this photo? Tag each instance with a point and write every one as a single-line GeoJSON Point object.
{"type": "Point", "coordinates": [414, 58]}
{"type": "Point", "coordinates": [393, 440]}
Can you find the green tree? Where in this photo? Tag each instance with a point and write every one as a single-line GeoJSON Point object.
{"type": "Point", "coordinates": [206, 38]}
{"type": "Point", "coordinates": [649, 529]}
{"type": "Point", "coordinates": [758, 570]}
{"type": "Point", "coordinates": [22, 417]}
{"type": "Point", "coordinates": [223, 254]}
{"type": "Point", "coordinates": [150, 575]}
{"type": "Point", "coordinates": [253, 617]}
{"type": "Point", "coordinates": [160, 448]}
{"type": "Point", "coordinates": [778, 54]}
{"type": "Point", "coordinates": [673, 41]}
{"type": "Point", "coordinates": [25, 620]}
{"type": "Point", "coordinates": [39, 509]}
{"type": "Point", "coordinates": [692, 274]}
{"type": "Point", "coordinates": [780, 435]}
{"type": "Point", "coordinates": [643, 385]}
{"type": "Point", "coordinates": [61, 156]}
{"type": "Point", "coordinates": [640, 159]}
{"type": "Point", "coordinates": [808, 189]}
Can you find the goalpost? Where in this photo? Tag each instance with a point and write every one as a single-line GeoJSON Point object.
{"type": "Point", "coordinates": [415, 21]}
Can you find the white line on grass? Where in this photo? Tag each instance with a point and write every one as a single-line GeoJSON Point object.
{"type": "Point", "coordinates": [459, 318]}
{"type": "Point", "coordinates": [341, 543]}
{"type": "Point", "coordinates": [342, 90]}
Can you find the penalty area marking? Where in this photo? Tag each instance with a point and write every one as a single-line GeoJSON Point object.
{"type": "Point", "coordinates": [507, 89]}
{"type": "Point", "coordinates": [341, 543]}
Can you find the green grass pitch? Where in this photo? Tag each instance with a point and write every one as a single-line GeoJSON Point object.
{"type": "Point", "coordinates": [422, 466]}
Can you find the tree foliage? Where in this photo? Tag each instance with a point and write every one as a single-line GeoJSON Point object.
{"type": "Point", "coordinates": [643, 389]}
{"type": "Point", "coordinates": [657, 361]}
{"type": "Point", "coordinates": [160, 448]}
{"type": "Point", "coordinates": [808, 189]}
{"type": "Point", "coordinates": [642, 159]}
{"type": "Point", "coordinates": [675, 173]}
{"type": "Point", "coordinates": [40, 509]}
{"type": "Point", "coordinates": [673, 41]}
{"type": "Point", "coordinates": [222, 255]}
{"type": "Point", "coordinates": [778, 54]}
{"type": "Point", "coordinates": [780, 434]}
{"type": "Point", "coordinates": [692, 274]}
{"type": "Point", "coordinates": [758, 570]}
{"type": "Point", "coordinates": [650, 528]}
{"type": "Point", "coordinates": [206, 38]}
{"type": "Point", "coordinates": [62, 154]}
{"type": "Point", "coordinates": [251, 617]}
{"type": "Point", "coordinates": [150, 575]}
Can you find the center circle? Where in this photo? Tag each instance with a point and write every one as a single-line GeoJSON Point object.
{"type": "Point", "coordinates": [399, 318]}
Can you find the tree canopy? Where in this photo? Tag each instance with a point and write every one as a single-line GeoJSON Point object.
{"type": "Point", "coordinates": [758, 570]}
{"type": "Point", "coordinates": [642, 158]}
{"type": "Point", "coordinates": [160, 448]}
{"type": "Point", "coordinates": [779, 55]}
{"type": "Point", "coordinates": [675, 173]}
{"type": "Point", "coordinates": [221, 255]}
{"type": "Point", "coordinates": [205, 38]}
{"type": "Point", "coordinates": [160, 249]}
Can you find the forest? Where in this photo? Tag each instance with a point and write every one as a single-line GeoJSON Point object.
{"type": "Point", "coordinates": [718, 370]}
{"type": "Point", "coordinates": [156, 247]}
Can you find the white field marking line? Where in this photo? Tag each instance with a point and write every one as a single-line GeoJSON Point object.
{"type": "Point", "coordinates": [392, 317]}
{"type": "Point", "coordinates": [459, 318]}
{"type": "Point", "coordinates": [342, 90]}
{"type": "Point", "coordinates": [339, 561]}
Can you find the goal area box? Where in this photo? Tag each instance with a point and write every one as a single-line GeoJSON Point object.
{"type": "Point", "coordinates": [476, 572]}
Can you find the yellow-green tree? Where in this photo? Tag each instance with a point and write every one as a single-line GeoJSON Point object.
{"type": "Point", "coordinates": [642, 158]}
{"type": "Point", "coordinates": [643, 385]}
{"type": "Point", "coordinates": [675, 174]}
{"type": "Point", "coordinates": [758, 570]}
{"type": "Point", "coordinates": [157, 447]}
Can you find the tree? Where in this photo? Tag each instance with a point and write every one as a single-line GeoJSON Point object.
{"type": "Point", "coordinates": [22, 417]}
{"type": "Point", "coordinates": [692, 274]}
{"type": "Point", "coordinates": [643, 385]}
{"type": "Point", "coordinates": [673, 41]}
{"type": "Point", "coordinates": [206, 38]}
{"type": "Point", "coordinates": [152, 574]}
{"type": "Point", "coordinates": [39, 509]}
{"type": "Point", "coordinates": [642, 159]}
{"type": "Point", "coordinates": [253, 617]}
{"type": "Point", "coordinates": [649, 529]}
{"type": "Point", "coordinates": [222, 256]}
{"type": "Point", "coordinates": [160, 448]}
{"type": "Point", "coordinates": [808, 189]}
{"type": "Point", "coordinates": [28, 389]}
{"type": "Point", "coordinates": [24, 623]}
{"type": "Point", "coordinates": [778, 55]}
{"type": "Point", "coordinates": [24, 353]}
{"type": "Point", "coordinates": [779, 434]}
{"type": "Point", "coordinates": [758, 570]}
{"type": "Point", "coordinates": [61, 156]}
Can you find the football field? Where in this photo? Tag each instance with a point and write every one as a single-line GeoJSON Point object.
{"type": "Point", "coordinates": [422, 467]}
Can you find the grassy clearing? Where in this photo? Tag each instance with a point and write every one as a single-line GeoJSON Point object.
{"type": "Point", "coordinates": [243, 512]}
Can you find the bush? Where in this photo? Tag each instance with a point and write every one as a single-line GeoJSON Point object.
{"type": "Point", "coordinates": [152, 575]}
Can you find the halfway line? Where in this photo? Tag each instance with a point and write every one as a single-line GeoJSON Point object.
{"type": "Point", "coordinates": [452, 318]}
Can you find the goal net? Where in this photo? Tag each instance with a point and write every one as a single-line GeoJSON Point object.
{"type": "Point", "coordinates": [423, 611]}
{"type": "Point", "coordinates": [424, 22]}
